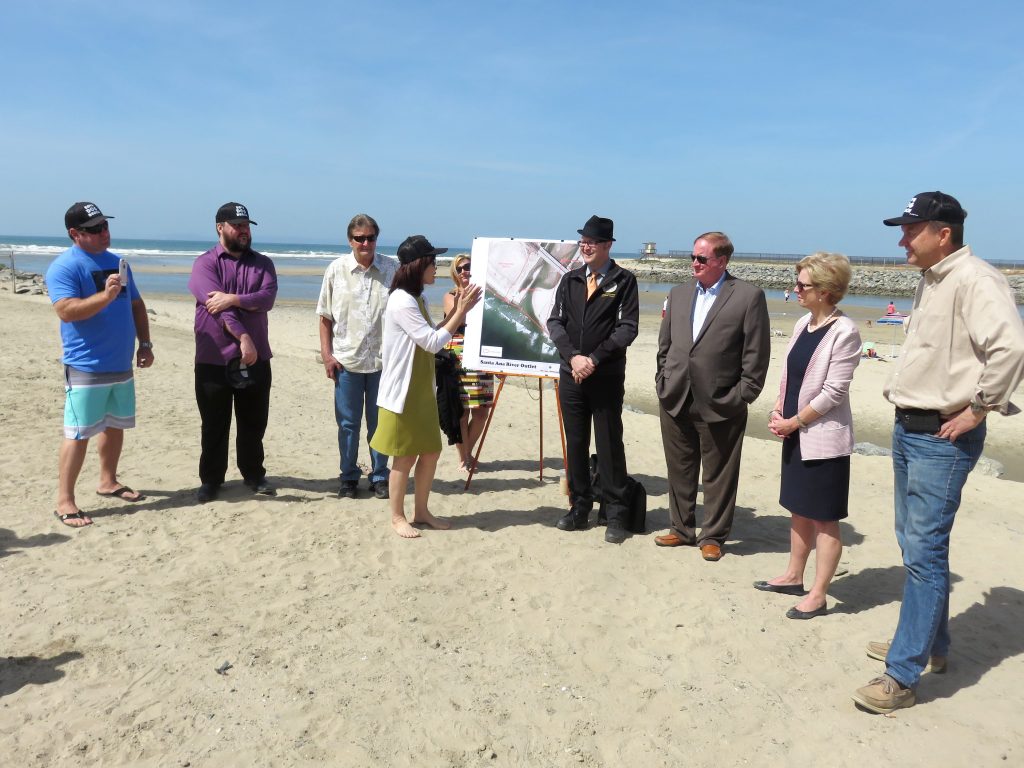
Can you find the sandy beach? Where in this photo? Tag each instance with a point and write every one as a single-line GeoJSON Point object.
{"type": "Point", "coordinates": [502, 642]}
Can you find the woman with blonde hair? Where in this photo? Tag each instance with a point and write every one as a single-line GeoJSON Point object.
{"type": "Point", "coordinates": [476, 388]}
{"type": "Point", "coordinates": [812, 414]}
{"type": "Point", "coordinates": [407, 423]}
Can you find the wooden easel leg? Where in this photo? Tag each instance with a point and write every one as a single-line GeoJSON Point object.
{"type": "Point", "coordinates": [561, 431]}
{"type": "Point", "coordinates": [487, 426]}
{"type": "Point", "coordinates": [540, 421]}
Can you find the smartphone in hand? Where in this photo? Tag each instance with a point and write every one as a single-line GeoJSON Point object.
{"type": "Point", "coordinates": [122, 272]}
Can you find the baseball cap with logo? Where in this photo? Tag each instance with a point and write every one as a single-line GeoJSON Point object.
{"type": "Point", "coordinates": [84, 215]}
{"type": "Point", "coordinates": [233, 213]}
{"type": "Point", "coordinates": [930, 206]}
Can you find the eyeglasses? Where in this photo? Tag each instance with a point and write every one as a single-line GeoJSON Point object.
{"type": "Point", "coordinates": [803, 286]}
{"type": "Point", "coordinates": [464, 267]}
{"type": "Point", "coordinates": [592, 243]}
{"type": "Point", "coordinates": [364, 239]}
{"type": "Point", "coordinates": [700, 259]}
{"type": "Point", "coordinates": [96, 229]}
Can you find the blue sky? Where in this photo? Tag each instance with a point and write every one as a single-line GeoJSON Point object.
{"type": "Point", "coordinates": [792, 126]}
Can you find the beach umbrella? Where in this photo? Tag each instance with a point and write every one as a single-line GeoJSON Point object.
{"type": "Point", "coordinates": [894, 320]}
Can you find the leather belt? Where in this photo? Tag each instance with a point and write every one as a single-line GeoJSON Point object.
{"type": "Point", "coordinates": [918, 420]}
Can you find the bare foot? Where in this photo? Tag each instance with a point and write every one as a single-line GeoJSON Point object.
{"type": "Point", "coordinates": [403, 529]}
{"type": "Point", "coordinates": [425, 518]}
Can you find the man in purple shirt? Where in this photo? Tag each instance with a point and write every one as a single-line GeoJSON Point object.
{"type": "Point", "coordinates": [235, 288]}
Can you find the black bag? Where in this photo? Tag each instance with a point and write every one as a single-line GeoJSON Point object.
{"type": "Point", "coordinates": [636, 521]}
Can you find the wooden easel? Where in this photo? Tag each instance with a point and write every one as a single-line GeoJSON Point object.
{"type": "Point", "coordinates": [540, 420]}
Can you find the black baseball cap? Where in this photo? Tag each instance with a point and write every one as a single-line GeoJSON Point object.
{"type": "Point", "coordinates": [84, 215]}
{"type": "Point", "coordinates": [417, 247]}
{"type": "Point", "coordinates": [233, 213]}
{"type": "Point", "coordinates": [930, 206]}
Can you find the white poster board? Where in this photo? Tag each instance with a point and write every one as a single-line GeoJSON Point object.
{"type": "Point", "coordinates": [506, 332]}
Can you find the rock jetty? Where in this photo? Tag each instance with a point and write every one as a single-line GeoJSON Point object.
{"type": "Point", "coordinates": [23, 282]}
{"type": "Point", "coordinates": [875, 281]}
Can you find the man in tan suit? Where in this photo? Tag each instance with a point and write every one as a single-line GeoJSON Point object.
{"type": "Point", "coordinates": [713, 352]}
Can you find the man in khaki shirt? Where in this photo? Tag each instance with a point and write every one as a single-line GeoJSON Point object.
{"type": "Point", "coordinates": [963, 357]}
{"type": "Point", "coordinates": [351, 309]}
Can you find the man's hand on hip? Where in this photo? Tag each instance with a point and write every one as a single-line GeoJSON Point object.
{"type": "Point", "coordinates": [961, 424]}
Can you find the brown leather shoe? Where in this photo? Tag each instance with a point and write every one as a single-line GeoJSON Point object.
{"type": "Point", "coordinates": [669, 540]}
{"type": "Point", "coordinates": [711, 551]}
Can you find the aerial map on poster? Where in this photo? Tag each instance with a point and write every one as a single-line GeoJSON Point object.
{"type": "Point", "coordinates": [507, 331]}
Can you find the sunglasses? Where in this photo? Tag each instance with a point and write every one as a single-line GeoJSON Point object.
{"type": "Point", "coordinates": [700, 259]}
{"type": "Point", "coordinates": [803, 286]}
{"type": "Point", "coordinates": [462, 268]}
{"type": "Point", "coordinates": [96, 229]}
{"type": "Point", "coordinates": [364, 239]}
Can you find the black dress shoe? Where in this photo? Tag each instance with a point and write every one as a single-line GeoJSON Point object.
{"type": "Point", "coordinates": [574, 520]}
{"type": "Point", "coordinates": [615, 534]}
{"type": "Point", "coordinates": [783, 589]}
{"type": "Point", "coordinates": [380, 489]}
{"type": "Point", "coordinates": [261, 486]}
{"type": "Point", "coordinates": [207, 492]}
{"type": "Point", "coordinates": [793, 613]}
{"type": "Point", "coordinates": [348, 489]}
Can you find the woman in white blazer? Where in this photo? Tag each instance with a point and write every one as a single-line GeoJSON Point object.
{"type": "Point", "coordinates": [407, 425]}
{"type": "Point", "coordinates": [812, 415]}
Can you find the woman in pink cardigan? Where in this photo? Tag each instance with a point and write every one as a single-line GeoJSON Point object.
{"type": "Point", "coordinates": [812, 415]}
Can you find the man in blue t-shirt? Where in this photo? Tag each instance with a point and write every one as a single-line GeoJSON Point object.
{"type": "Point", "coordinates": [101, 314]}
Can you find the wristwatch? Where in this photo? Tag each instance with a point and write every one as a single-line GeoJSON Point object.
{"type": "Point", "coordinates": [145, 345]}
{"type": "Point", "coordinates": [977, 407]}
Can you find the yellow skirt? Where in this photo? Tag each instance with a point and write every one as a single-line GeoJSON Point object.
{"type": "Point", "coordinates": [416, 429]}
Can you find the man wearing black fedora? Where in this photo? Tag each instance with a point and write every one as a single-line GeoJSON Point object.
{"type": "Point", "coordinates": [596, 315]}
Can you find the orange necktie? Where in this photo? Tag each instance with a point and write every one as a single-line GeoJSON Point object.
{"type": "Point", "coordinates": [591, 284]}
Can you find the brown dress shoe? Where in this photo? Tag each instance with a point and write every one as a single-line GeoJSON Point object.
{"type": "Point", "coordinates": [711, 551]}
{"type": "Point", "coordinates": [669, 540]}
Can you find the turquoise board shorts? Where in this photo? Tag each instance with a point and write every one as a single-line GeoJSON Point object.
{"type": "Point", "coordinates": [96, 401]}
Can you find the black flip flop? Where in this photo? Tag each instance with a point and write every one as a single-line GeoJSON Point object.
{"type": "Point", "coordinates": [79, 515]}
{"type": "Point", "coordinates": [122, 494]}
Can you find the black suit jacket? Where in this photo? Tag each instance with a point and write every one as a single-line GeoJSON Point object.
{"type": "Point", "coordinates": [724, 368]}
{"type": "Point", "coordinates": [601, 327]}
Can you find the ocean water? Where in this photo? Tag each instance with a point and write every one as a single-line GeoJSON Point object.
{"type": "Point", "coordinates": [173, 259]}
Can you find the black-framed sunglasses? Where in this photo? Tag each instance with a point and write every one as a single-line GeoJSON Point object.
{"type": "Point", "coordinates": [463, 267]}
{"type": "Point", "coordinates": [803, 286]}
{"type": "Point", "coordinates": [364, 239]}
{"type": "Point", "coordinates": [700, 259]}
{"type": "Point", "coordinates": [95, 229]}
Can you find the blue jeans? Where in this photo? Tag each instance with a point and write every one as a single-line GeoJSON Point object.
{"type": "Point", "coordinates": [355, 393]}
{"type": "Point", "coordinates": [930, 473]}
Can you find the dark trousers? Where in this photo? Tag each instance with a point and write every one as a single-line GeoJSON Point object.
{"type": "Point", "coordinates": [691, 443]}
{"type": "Point", "coordinates": [215, 397]}
{"type": "Point", "coordinates": [596, 400]}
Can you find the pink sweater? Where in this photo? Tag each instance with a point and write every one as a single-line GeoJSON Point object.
{"type": "Point", "coordinates": [826, 388]}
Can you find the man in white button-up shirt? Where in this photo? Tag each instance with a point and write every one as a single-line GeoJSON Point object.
{"type": "Point", "coordinates": [351, 309]}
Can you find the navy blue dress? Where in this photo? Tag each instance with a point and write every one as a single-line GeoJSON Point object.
{"type": "Point", "coordinates": [818, 489]}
